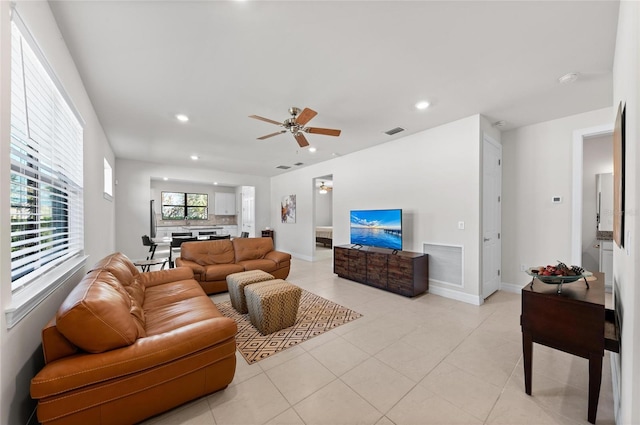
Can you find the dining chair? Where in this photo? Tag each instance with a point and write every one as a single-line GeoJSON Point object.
{"type": "Point", "coordinates": [219, 237]}
{"type": "Point", "coordinates": [244, 234]}
{"type": "Point", "coordinates": [207, 233]}
{"type": "Point", "coordinates": [146, 241]}
{"type": "Point", "coordinates": [175, 245]}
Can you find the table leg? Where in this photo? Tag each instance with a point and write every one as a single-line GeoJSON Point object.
{"type": "Point", "coordinates": [595, 379]}
{"type": "Point", "coordinates": [527, 354]}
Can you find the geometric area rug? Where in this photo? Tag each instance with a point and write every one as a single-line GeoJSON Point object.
{"type": "Point", "coordinates": [316, 315]}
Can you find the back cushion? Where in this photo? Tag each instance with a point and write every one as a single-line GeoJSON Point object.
{"type": "Point", "coordinates": [252, 248]}
{"type": "Point", "coordinates": [97, 315]}
{"type": "Point", "coordinates": [208, 252]}
{"type": "Point", "coordinates": [120, 265]}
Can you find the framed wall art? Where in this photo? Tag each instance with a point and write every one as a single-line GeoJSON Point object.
{"type": "Point", "coordinates": [618, 176]}
{"type": "Point", "coordinates": [288, 209]}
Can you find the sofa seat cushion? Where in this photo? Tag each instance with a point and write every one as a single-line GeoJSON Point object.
{"type": "Point", "coordinates": [208, 252]}
{"type": "Point", "coordinates": [179, 314]}
{"type": "Point", "coordinates": [98, 314]}
{"type": "Point", "coordinates": [162, 295]}
{"type": "Point", "coordinates": [264, 265]}
{"type": "Point", "coordinates": [220, 271]}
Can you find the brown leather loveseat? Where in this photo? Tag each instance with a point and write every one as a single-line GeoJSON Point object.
{"type": "Point", "coordinates": [125, 346]}
{"type": "Point", "coordinates": [211, 261]}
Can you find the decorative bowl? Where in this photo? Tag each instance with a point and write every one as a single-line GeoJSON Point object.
{"type": "Point", "coordinates": [554, 280]}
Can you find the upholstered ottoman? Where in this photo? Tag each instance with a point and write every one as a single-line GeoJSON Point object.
{"type": "Point", "coordinates": [236, 283]}
{"type": "Point", "coordinates": [272, 305]}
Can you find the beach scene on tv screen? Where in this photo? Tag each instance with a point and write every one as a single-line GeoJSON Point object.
{"type": "Point", "coordinates": [380, 228]}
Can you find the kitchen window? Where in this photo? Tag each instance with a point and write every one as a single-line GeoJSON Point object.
{"type": "Point", "coordinates": [185, 206]}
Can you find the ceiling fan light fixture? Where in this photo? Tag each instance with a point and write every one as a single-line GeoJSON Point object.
{"type": "Point", "coordinates": [322, 191]}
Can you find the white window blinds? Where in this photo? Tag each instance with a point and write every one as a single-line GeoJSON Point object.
{"type": "Point", "coordinates": [46, 167]}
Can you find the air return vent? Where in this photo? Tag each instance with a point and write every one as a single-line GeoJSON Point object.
{"type": "Point", "coordinates": [283, 167]}
{"type": "Point", "coordinates": [445, 263]}
{"type": "Point", "coordinates": [299, 164]}
{"type": "Point", "coordinates": [394, 131]}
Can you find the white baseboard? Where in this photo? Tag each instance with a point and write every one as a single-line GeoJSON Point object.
{"type": "Point", "coordinates": [455, 295]}
{"type": "Point", "coordinates": [301, 257]}
{"type": "Point", "coordinates": [516, 288]}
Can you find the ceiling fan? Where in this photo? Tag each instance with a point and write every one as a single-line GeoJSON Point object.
{"type": "Point", "coordinates": [296, 125]}
{"type": "Point", "coordinates": [324, 188]}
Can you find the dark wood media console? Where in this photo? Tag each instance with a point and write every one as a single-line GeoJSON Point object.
{"type": "Point", "coordinates": [405, 273]}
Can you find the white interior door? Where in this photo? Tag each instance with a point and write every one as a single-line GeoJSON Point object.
{"type": "Point", "coordinates": [249, 210]}
{"type": "Point", "coordinates": [491, 216]}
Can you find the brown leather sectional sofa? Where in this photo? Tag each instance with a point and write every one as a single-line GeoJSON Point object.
{"type": "Point", "coordinates": [125, 346]}
{"type": "Point", "coordinates": [212, 261]}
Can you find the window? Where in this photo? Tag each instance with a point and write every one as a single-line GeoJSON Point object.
{"type": "Point", "coordinates": [46, 166]}
{"type": "Point", "coordinates": [185, 206]}
{"type": "Point", "coordinates": [108, 180]}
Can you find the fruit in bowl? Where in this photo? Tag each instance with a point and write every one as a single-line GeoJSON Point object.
{"type": "Point", "coordinates": [560, 269]}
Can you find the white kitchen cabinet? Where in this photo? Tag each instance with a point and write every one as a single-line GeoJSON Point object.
{"type": "Point", "coordinates": [606, 262]}
{"type": "Point", "coordinates": [231, 230]}
{"type": "Point", "coordinates": [225, 203]}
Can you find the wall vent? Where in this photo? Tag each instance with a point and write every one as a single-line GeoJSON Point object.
{"type": "Point", "coordinates": [283, 167]}
{"type": "Point", "coordinates": [299, 163]}
{"type": "Point", "coordinates": [394, 131]}
{"type": "Point", "coordinates": [445, 263]}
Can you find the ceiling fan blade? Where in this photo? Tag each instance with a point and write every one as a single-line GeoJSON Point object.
{"type": "Point", "coordinates": [265, 119]}
{"type": "Point", "coordinates": [325, 131]}
{"type": "Point", "coordinates": [272, 134]}
{"type": "Point", "coordinates": [305, 116]}
{"type": "Point", "coordinates": [302, 141]}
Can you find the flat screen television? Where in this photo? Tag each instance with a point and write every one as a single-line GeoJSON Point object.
{"type": "Point", "coordinates": [378, 228]}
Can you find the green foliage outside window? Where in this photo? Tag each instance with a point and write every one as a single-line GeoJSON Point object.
{"type": "Point", "coordinates": [185, 206]}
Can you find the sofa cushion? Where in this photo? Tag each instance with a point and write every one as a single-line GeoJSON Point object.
{"type": "Point", "coordinates": [264, 265]}
{"type": "Point", "coordinates": [208, 252]}
{"type": "Point", "coordinates": [126, 272]}
{"type": "Point", "coordinates": [97, 315]}
{"type": "Point", "coordinates": [220, 271]}
{"type": "Point", "coordinates": [252, 248]}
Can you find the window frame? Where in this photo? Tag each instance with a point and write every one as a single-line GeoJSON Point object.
{"type": "Point", "coordinates": [33, 287]}
{"type": "Point", "coordinates": [184, 205]}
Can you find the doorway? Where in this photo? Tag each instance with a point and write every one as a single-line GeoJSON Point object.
{"type": "Point", "coordinates": [491, 215]}
{"type": "Point", "coordinates": [577, 205]}
{"type": "Point", "coordinates": [323, 217]}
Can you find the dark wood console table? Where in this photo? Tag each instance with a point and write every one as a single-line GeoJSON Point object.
{"type": "Point", "coordinates": [405, 273]}
{"type": "Point", "coordinates": [269, 234]}
{"type": "Point", "coordinates": [573, 321]}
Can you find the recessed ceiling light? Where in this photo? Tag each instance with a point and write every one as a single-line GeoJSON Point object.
{"type": "Point", "coordinates": [568, 78]}
{"type": "Point", "coordinates": [165, 178]}
{"type": "Point", "coordinates": [312, 149]}
{"type": "Point", "coordinates": [194, 157]}
{"type": "Point", "coordinates": [215, 183]}
{"type": "Point", "coordinates": [182, 117]}
{"type": "Point", "coordinates": [422, 105]}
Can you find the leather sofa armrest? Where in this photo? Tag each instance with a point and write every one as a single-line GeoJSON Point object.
{"type": "Point", "coordinates": [160, 277]}
{"type": "Point", "coordinates": [88, 369]}
{"type": "Point", "coordinates": [278, 257]}
{"type": "Point", "coordinates": [195, 267]}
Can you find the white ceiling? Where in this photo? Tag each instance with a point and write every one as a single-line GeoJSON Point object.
{"type": "Point", "coordinates": [362, 65]}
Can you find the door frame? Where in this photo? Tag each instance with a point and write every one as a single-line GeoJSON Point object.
{"type": "Point", "coordinates": [576, 193]}
{"type": "Point", "coordinates": [488, 139]}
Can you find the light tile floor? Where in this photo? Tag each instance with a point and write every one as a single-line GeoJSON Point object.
{"type": "Point", "coordinates": [426, 360]}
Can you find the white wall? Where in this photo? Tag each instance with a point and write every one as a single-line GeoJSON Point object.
{"type": "Point", "coordinates": [133, 194]}
{"type": "Point", "coordinates": [20, 351]}
{"type": "Point", "coordinates": [432, 175]}
{"type": "Point", "coordinates": [597, 159]}
{"type": "Point", "coordinates": [537, 166]}
{"type": "Point", "coordinates": [626, 68]}
{"type": "Point", "coordinates": [324, 208]}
